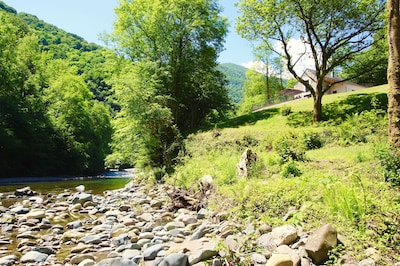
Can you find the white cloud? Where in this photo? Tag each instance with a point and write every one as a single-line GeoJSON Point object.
{"type": "Point", "coordinates": [301, 55]}
{"type": "Point", "coordinates": [300, 52]}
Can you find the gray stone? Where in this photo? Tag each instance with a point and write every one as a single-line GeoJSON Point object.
{"type": "Point", "coordinates": [130, 253]}
{"type": "Point", "coordinates": [91, 239]}
{"type": "Point", "coordinates": [19, 210]}
{"type": "Point", "coordinates": [367, 262]}
{"type": "Point", "coordinates": [267, 241]}
{"type": "Point", "coordinates": [81, 257]}
{"type": "Point", "coordinates": [45, 250]}
{"type": "Point", "coordinates": [258, 258]}
{"type": "Point", "coordinates": [202, 255]}
{"type": "Point", "coordinates": [200, 232]}
{"type": "Point", "coordinates": [151, 252]}
{"type": "Point", "coordinates": [246, 160]}
{"type": "Point", "coordinates": [34, 257]}
{"type": "Point", "coordinates": [284, 235]}
{"type": "Point", "coordinates": [74, 225]}
{"type": "Point", "coordinates": [87, 262]}
{"type": "Point", "coordinates": [8, 260]}
{"type": "Point", "coordinates": [176, 259]}
{"type": "Point", "coordinates": [320, 242]}
{"type": "Point", "coordinates": [26, 191]}
{"type": "Point", "coordinates": [81, 198]}
{"type": "Point", "coordinates": [116, 262]}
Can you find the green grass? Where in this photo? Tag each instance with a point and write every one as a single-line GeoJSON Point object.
{"type": "Point", "coordinates": [339, 180]}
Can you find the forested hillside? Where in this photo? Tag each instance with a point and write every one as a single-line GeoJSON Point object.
{"type": "Point", "coordinates": [236, 76]}
{"type": "Point", "coordinates": [53, 115]}
{"type": "Point", "coordinates": [61, 97]}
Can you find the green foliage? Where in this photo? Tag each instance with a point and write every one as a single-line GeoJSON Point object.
{"type": "Point", "coordinates": [347, 198]}
{"type": "Point", "coordinates": [254, 90]}
{"type": "Point", "coordinates": [286, 110]}
{"type": "Point", "coordinates": [313, 140]}
{"type": "Point", "coordinates": [290, 169]}
{"type": "Point", "coordinates": [288, 148]}
{"type": "Point", "coordinates": [145, 134]}
{"type": "Point", "coordinates": [299, 119]}
{"type": "Point", "coordinates": [389, 160]}
{"type": "Point", "coordinates": [235, 76]}
{"type": "Point", "coordinates": [184, 38]}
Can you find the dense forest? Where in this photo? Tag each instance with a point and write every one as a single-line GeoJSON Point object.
{"type": "Point", "coordinates": [59, 106]}
{"type": "Point", "coordinates": [72, 107]}
{"type": "Point", "coordinates": [54, 115]}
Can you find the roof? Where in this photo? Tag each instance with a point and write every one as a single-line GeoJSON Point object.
{"type": "Point", "coordinates": [290, 92]}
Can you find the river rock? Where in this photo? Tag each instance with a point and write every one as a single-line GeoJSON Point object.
{"type": "Point", "coordinates": [130, 253]}
{"type": "Point", "coordinates": [202, 255]}
{"type": "Point", "coordinates": [284, 249]}
{"type": "Point", "coordinates": [34, 257]}
{"type": "Point", "coordinates": [26, 191]}
{"type": "Point", "coordinates": [280, 260]}
{"type": "Point", "coordinates": [284, 235]}
{"type": "Point", "coordinates": [176, 259]}
{"type": "Point", "coordinates": [8, 260]}
{"type": "Point", "coordinates": [116, 262]}
{"type": "Point", "coordinates": [81, 257]}
{"type": "Point", "coordinates": [87, 262]}
{"type": "Point", "coordinates": [72, 234]}
{"type": "Point", "coordinates": [151, 252]}
{"type": "Point", "coordinates": [81, 198]}
{"type": "Point", "coordinates": [320, 242]}
{"type": "Point", "coordinates": [36, 214]}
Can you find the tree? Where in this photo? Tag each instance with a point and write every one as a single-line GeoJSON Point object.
{"type": "Point", "coordinates": [394, 72]}
{"type": "Point", "coordinates": [184, 38]}
{"type": "Point", "coordinates": [334, 31]}
{"type": "Point", "coordinates": [172, 84]}
{"type": "Point", "coordinates": [254, 90]}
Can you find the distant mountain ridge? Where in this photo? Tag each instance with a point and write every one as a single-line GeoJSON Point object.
{"type": "Point", "coordinates": [61, 43]}
{"type": "Point", "coordinates": [235, 75]}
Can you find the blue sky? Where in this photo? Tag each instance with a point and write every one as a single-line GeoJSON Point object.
{"type": "Point", "coordinates": [89, 18]}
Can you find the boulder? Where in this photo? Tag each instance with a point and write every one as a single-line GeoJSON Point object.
{"type": "Point", "coordinates": [280, 260]}
{"type": "Point", "coordinates": [176, 259]}
{"type": "Point", "coordinates": [81, 198]}
{"type": "Point", "coordinates": [246, 160]}
{"type": "Point", "coordinates": [116, 262]}
{"type": "Point", "coordinates": [284, 235]}
{"type": "Point", "coordinates": [34, 257]}
{"type": "Point", "coordinates": [26, 191]}
{"type": "Point", "coordinates": [320, 242]}
{"type": "Point", "coordinates": [151, 252]}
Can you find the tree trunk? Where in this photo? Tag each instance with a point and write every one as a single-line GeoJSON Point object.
{"type": "Point", "coordinates": [394, 72]}
{"type": "Point", "coordinates": [317, 112]}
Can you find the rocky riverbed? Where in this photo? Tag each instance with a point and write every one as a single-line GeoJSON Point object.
{"type": "Point", "coordinates": [139, 225]}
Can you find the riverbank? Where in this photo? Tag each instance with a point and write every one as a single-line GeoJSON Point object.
{"type": "Point", "coordinates": [141, 225]}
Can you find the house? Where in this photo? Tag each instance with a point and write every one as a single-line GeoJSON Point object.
{"type": "Point", "coordinates": [340, 86]}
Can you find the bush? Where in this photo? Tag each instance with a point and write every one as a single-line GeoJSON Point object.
{"type": "Point", "coordinates": [312, 141]}
{"type": "Point", "coordinates": [286, 110]}
{"type": "Point", "coordinates": [390, 162]}
{"type": "Point", "coordinates": [299, 119]}
{"type": "Point", "coordinates": [290, 170]}
{"type": "Point", "coordinates": [288, 149]}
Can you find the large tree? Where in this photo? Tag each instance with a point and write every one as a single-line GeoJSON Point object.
{"type": "Point", "coordinates": [184, 37]}
{"type": "Point", "coordinates": [394, 72]}
{"type": "Point", "coordinates": [334, 31]}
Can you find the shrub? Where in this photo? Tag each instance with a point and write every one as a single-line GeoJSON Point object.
{"type": "Point", "coordinates": [299, 119]}
{"type": "Point", "coordinates": [290, 170]}
{"type": "Point", "coordinates": [390, 163]}
{"type": "Point", "coordinates": [286, 110]}
{"type": "Point", "coordinates": [312, 141]}
{"type": "Point", "coordinates": [289, 149]}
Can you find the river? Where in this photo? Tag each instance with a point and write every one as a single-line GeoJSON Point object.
{"type": "Point", "coordinates": [55, 185]}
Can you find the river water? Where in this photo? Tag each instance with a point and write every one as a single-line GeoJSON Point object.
{"type": "Point", "coordinates": [55, 185]}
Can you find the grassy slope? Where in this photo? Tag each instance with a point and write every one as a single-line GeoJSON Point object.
{"type": "Point", "coordinates": [340, 183]}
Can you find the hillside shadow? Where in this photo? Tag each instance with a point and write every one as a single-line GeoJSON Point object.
{"type": "Point", "coordinates": [249, 119]}
{"type": "Point", "coordinates": [355, 104]}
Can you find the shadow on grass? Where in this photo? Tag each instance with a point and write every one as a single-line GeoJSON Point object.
{"type": "Point", "coordinates": [354, 104]}
{"type": "Point", "coordinates": [249, 119]}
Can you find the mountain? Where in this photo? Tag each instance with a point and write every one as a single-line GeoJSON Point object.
{"type": "Point", "coordinates": [235, 75]}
